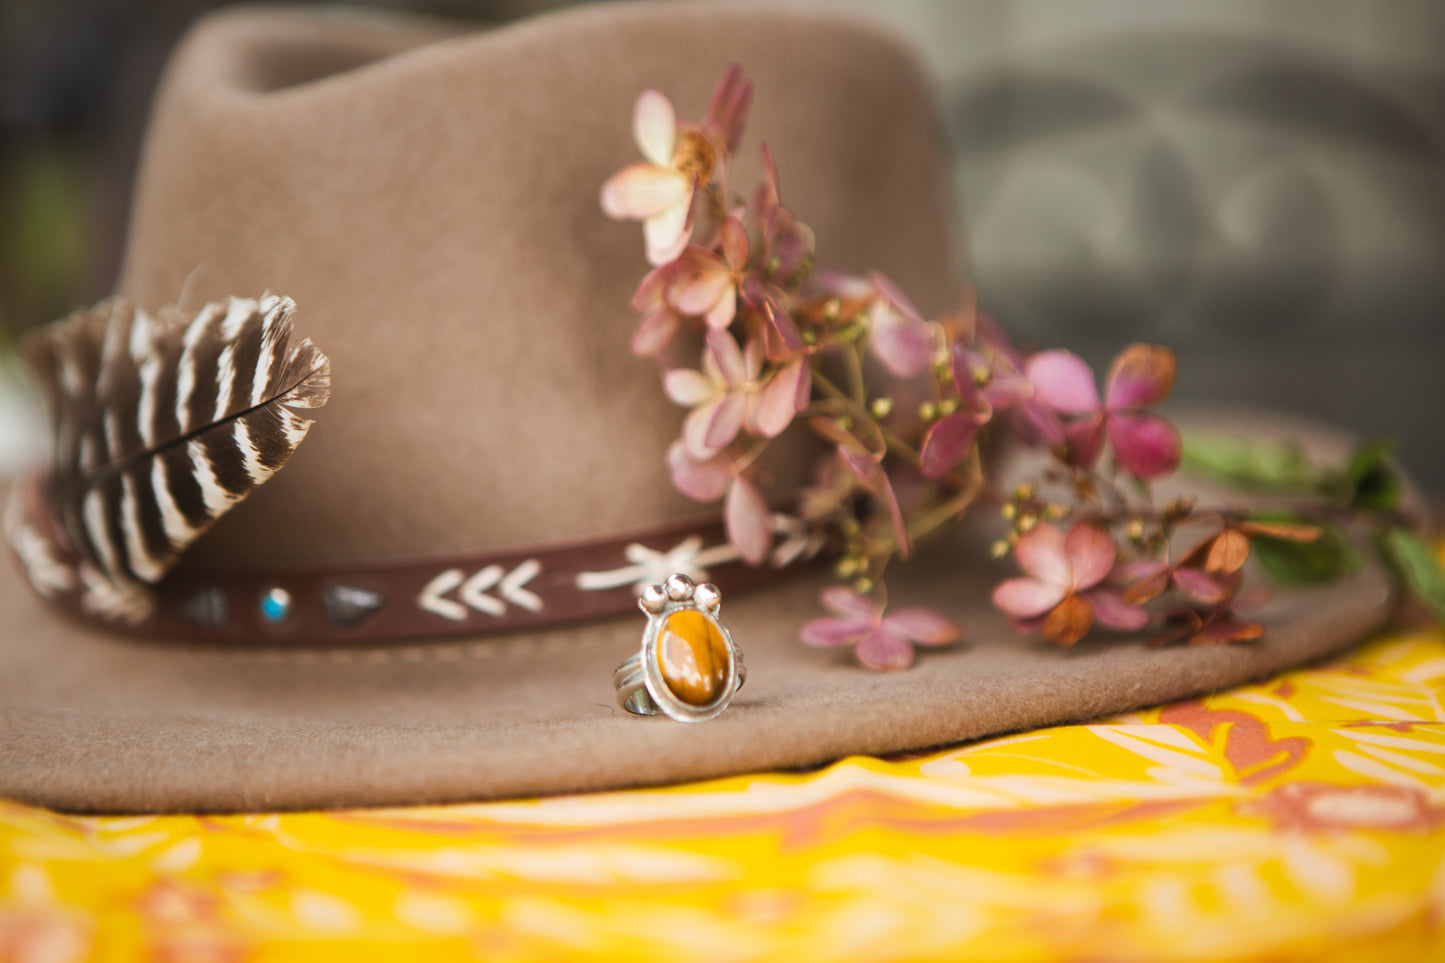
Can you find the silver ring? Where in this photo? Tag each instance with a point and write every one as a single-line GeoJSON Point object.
{"type": "Point", "coordinates": [688, 668]}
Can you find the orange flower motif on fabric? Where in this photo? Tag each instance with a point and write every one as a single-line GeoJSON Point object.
{"type": "Point", "coordinates": [1320, 807]}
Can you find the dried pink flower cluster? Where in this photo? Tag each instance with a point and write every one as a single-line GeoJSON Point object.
{"type": "Point", "coordinates": [787, 347]}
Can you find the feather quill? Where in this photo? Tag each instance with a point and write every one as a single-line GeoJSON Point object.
{"type": "Point", "coordinates": [160, 425]}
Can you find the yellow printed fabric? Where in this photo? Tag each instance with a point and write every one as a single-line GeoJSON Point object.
{"type": "Point", "coordinates": [1299, 819]}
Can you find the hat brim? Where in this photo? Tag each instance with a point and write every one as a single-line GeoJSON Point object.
{"type": "Point", "coordinates": [94, 723]}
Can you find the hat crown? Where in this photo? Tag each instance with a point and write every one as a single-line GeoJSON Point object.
{"type": "Point", "coordinates": [430, 203]}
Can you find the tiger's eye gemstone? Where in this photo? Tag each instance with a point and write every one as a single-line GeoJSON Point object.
{"type": "Point", "coordinates": [693, 657]}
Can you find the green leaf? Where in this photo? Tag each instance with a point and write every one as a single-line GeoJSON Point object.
{"type": "Point", "coordinates": [1328, 558]}
{"type": "Point", "coordinates": [1417, 564]}
{"type": "Point", "coordinates": [1250, 462]}
{"type": "Point", "coordinates": [1375, 483]}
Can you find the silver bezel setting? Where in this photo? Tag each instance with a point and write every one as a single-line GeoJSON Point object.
{"type": "Point", "coordinates": [659, 602]}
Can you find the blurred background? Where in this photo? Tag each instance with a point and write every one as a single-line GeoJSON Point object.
{"type": "Point", "coordinates": [1259, 185]}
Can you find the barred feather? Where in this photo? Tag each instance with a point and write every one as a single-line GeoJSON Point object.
{"type": "Point", "coordinates": [160, 426]}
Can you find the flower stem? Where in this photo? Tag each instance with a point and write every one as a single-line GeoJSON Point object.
{"type": "Point", "coordinates": [895, 444]}
{"type": "Point", "coordinates": [950, 509]}
{"type": "Point", "coordinates": [855, 376]}
{"type": "Point", "coordinates": [743, 462]}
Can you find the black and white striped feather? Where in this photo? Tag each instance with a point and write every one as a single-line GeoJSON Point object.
{"type": "Point", "coordinates": [161, 425]}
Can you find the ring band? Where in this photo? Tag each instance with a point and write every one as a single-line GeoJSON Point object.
{"type": "Point", "coordinates": [688, 667]}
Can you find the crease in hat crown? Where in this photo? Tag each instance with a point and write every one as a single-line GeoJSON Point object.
{"type": "Point", "coordinates": [431, 210]}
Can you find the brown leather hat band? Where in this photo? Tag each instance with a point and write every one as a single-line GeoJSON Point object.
{"type": "Point", "coordinates": [415, 599]}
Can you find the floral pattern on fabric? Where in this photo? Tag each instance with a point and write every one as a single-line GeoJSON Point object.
{"type": "Point", "coordinates": [1301, 818]}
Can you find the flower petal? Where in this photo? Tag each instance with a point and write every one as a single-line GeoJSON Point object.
{"type": "Point", "coordinates": [782, 337]}
{"type": "Point", "coordinates": [643, 191]}
{"type": "Point", "coordinates": [767, 196]}
{"type": "Point", "coordinates": [1146, 445]}
{"type": "Point", "coordinates": [884, 650]}
{"type": "Point", "coordinates": [688, 387]}
{"type": "Point", "coordinates": [786, 243]}
{"type": "Point", "coordinates": [1036, 423]}
{"type": "Point", "coordinates": [727, 110]}
{"type": "Point", "coordinates": [1201, 585]}
{"type": "Point", "coordinates": [695, 429]}
{"type": "Point", "coordinates": [1150, 579]}
{"type": "Point", "coordinates": [863, 465]}
{"type": "Point", "coordinates": [652, 289]}
{"type": "Point", "coordinates": [654, 127]}
{"type": "Point", "coordinates": [753, 356]}
{"type": "Point", "coordinates": [654, 332]}
{"type": "Point", "coordinates": [724, 311]}
{"type": "Point", "coordinates": [1224, 630]}
{"type": "Point", "coordinates": [1113, 611]}
{"type": "Point", "coordinates": [1142, 376]}
{"type": "Point", "coordinates": [904, 345]}
{"type": "Point", "coordinates": [699, 280]}
{"type": "Point", "coordinates": [1228, 551]}
{"type": "Point", "coordinates": [889, 502]}
{"type": "Point", "coordinates": [1069, 621]}
{"type": "Point", "coordinates": [734, 243]}
{"type": "Point", "coordinates": [923, 626]}
{"type": "Point", "coordinates": [667, 231]}
{"type": "Point", "coordinates": [1085, 439]}
{"type": "Point", "coordinates": [895, 296]}
{"type": "Point", "coordinates": [727, 357]}
{"type": "Point", "coordinates": [831, 632]}
{"type": "Point", "coordinates": [1040, 553]}
{"type": "Point", "coordinates": [712, 426]}
{"type": "Point", "coordinates": [703, 481]}
{"type": "Point", "coordinates": [777, 402]}
{"type": "Point", "coordinates": [850, 604]}
{"type": "Point", "coordinates": [1091, 553]}
{"type": "Point", "coordinates": [1027, 598]}
{"type": "Point", "coordinates": [947, 442]}
{"type": "Point", "coordinates": [726, 422]}
{"type": "Point", "coordinates": [745, 516]}
{"type": "Point", "coordinates": [1063, 381]}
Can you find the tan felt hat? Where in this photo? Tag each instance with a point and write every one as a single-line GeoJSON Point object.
{"type": "Point", "coordinates": [427, 604]}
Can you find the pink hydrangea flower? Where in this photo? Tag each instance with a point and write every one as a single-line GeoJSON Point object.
{"type": "Point", "coordinates": [706, 283]}
{"type": "Point", "coordinates": [1150, 578]}
{"type": "Point", "coordinates": [745, 511]}
{"type": "Point", "coordinates": [659, 190]}
{"type": "Point", "coordinates": [1062, 597]}
{"type": "Point", "coordinates": [677, 162]}
{"type": "Point", "coordinates": [883, 641]}
{"type": "Point", "coordinates": [718, 394]}
{"type": "Point", "coordinates": [730, 394]}
{"type": "Point", "coordinates": [1146, 445]}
